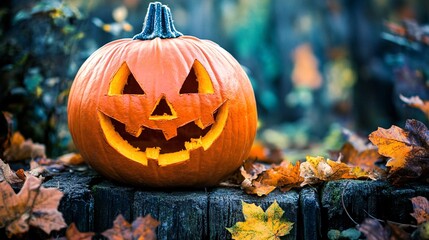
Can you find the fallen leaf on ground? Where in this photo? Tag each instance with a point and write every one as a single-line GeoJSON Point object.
{"type": "Point", "coordinates": [407, 148]}
{"type": "Point", "coordinates": [421, 209]}
{"type": "Point", "coordinates": [365, 159]}
{"type": "Point", "coordinates": [71, 159]}
{"type": "Point", "coordinates": [250, 171]}
{"type": "Point", "coordinates": [318, 169]}
{"type": "Point", "coordinates": [373, 230]}
{"type": "Point", "coordinates": [265, 153]}
{"type": "Point", "coordinates": [141, 228]}
{"type": "Point", "coordinates": [260, 225]}
{"type": "Point", "coordinates": [284, 176]}
{"type": "Point", "coordinates": [73, 233]}
{"type": "Point", "coordinates": [34, 206]}
{"type": "Point", "coordinates": [21, 149]}
{"type": "Point", "coordinates": [417, 102]}
{"type": "Point", "coordinates": [8, 175]}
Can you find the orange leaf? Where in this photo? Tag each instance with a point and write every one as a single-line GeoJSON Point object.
{"type": "Point", "coordinates": [71, 159]}
{"type": "Point", "coordinates": [408, 149]}
{"type": "Point", "coordinates": [421, 209]}
{"type": "Point", "coordinates": [285, 176]}
{"type": "Point", "coordinates": [21, 149]}
{"type": "Point", "coordinates": [417, 102]}
{"type": "Point", "coordinates": [73, 233]}
{"type": "Point", "coordinates": [34, 205]}
{"type": "Point", "coordinates": [141, 228]}
{"type": "Point", "coordinates": [365, 159]}
{"type": "Point", "coordinates": [317, 169]}
{"type": "Point", "coordinates": [8, 175]}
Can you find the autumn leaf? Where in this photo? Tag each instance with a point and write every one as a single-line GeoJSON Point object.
{"type": "Point", "coordinates": [8, 175]}
{"type": "Point", "coordinates": [316, 169]}
{"type": "Point", "coordinates": [73, 233]}
{"type": "Point", "coordinates": [21, 149]}
{"type": "Point", "coordinates": [421, 209]}
{"type": "Point", "coordinates": [265, 153]}
{"type": "Point", "coordinates": [34, 206]}
{"type": "Point", "coordinates": [407, 148]}
{"type": "Point", "coordinates": [5, 131]}
{"type": "Point", "coordinates": [285, 176]}
{"type": "Point", "coordinates": [141, 228]}
{"type": "Point", "coordinates": [71, 159]}
{"type": "Point", "coordinates": [417, 102]}
{"type": "Point", "coordinates": [260, 225]}
{"type": "Point", "coordinates": [373, 230]}
{"type": "Point", "coordinates": [365, 159]}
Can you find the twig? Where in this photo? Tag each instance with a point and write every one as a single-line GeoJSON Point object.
{"type": "Point", "coordinates": [344, 207]}
{"type": "Point", "coordinates": [393, 222]}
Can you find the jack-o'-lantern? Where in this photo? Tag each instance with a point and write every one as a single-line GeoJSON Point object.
{"type": "Point", "coordinates": [162, 109]}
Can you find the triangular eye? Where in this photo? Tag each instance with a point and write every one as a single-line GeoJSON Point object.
{"type": "Point", "coordinates": [124, 82]}
{"type": "Point", "coordinates": [132, 86]}
{"type": "Point", "coordinates": [197, 81]}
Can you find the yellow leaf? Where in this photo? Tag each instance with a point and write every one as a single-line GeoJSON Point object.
{"type": "Point", "coordinates": [260, 225]}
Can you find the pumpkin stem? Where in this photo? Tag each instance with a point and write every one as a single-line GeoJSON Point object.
{"type": "Point", "coordinates": [158, 23]}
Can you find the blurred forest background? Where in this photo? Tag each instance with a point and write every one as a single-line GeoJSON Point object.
{"type": "Point", "coordinates": [316, 66]}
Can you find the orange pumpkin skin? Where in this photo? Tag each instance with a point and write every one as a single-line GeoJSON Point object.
{"type": "Point", "coordinates": [160, 67]}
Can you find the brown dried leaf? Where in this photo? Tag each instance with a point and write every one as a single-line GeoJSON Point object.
{"type": "Point", "coordinates": [21, 149]}
{"type": "Point", "coordinates": [316, 169]}
{"type": "Point", "coordinates": [284, 176]}
{"type": "Point", "coordinates": [34, 206]}
{"type": "Point", "coordinates": [8, 175]}
{"type": "Point", "coordinates": [144, 227]}
{"type": "Point", "coordinates": [408, 149]}
{"type": "Point", "coordinates": [417, 102]}
{"type": "Point", "coordinates": [141, 228]}
{"type": "Point", "coordinates": [373, 230]}
{"type": "Point", "coordinates": [73, 233]}
{"type": "Point", "coordinates": [421, 209]}
{"type": "Point", "coordinates": [365, 159]}
{"type": "Point", "coordinates": [265, 153]}
{"type": "Point", "coordinates": [71, 159]}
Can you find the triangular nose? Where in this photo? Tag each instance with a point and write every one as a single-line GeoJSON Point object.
{"type": "Point", "coordinates": [163, 110]}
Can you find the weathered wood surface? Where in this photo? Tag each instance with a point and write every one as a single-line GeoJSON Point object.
{"type": "Point", "coordinates": [93, 203]}
{"type": "Point", "coordinates": [364, 199]}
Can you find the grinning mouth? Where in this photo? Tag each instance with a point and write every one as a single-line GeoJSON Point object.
{"type": "Point", "coordinates": [151, 143]}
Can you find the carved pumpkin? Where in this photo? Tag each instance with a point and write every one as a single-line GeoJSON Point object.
{"type": "Point", "coordinates": [162, 109]}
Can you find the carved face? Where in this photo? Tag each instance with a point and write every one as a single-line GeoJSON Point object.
{"type": "Point", "coordinates": [189, 117]}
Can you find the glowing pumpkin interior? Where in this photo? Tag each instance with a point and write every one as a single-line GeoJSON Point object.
{"type": "Point", "coordinates": [149, 143]}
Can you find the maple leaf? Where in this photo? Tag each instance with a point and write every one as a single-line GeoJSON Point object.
{"type": "Point", "coordinates": [421, 209]}
{"type": "Point", "coordinates": [73, 233]}
{"type": "Point", "coordinates": [373, 230]}
{"type": "Point", "coordinates": [34, 206]}
{"type": "Point", "coordinates": [141, 228]}
{"type": "Point", "coordinates": [417, 102]}
{"type": "Point", "coordinates": [21, 149]}
{"type": "Point", "coordinates": [365, 159]}
{"type": "Point", "coordinates": [285, 176]}
{"type": "Point", "coordinates": [265, 153]}
{"type": "Point", "coordinates": [8, 175]}
{"type": "Point", "coordinates": [407, 148]}
{"type": "Point", "coordinates": [260, 225]}
{"type": "Point", "coordinates": [316, 169]}
{"type": "Point", "coordinates": [71, 159]}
